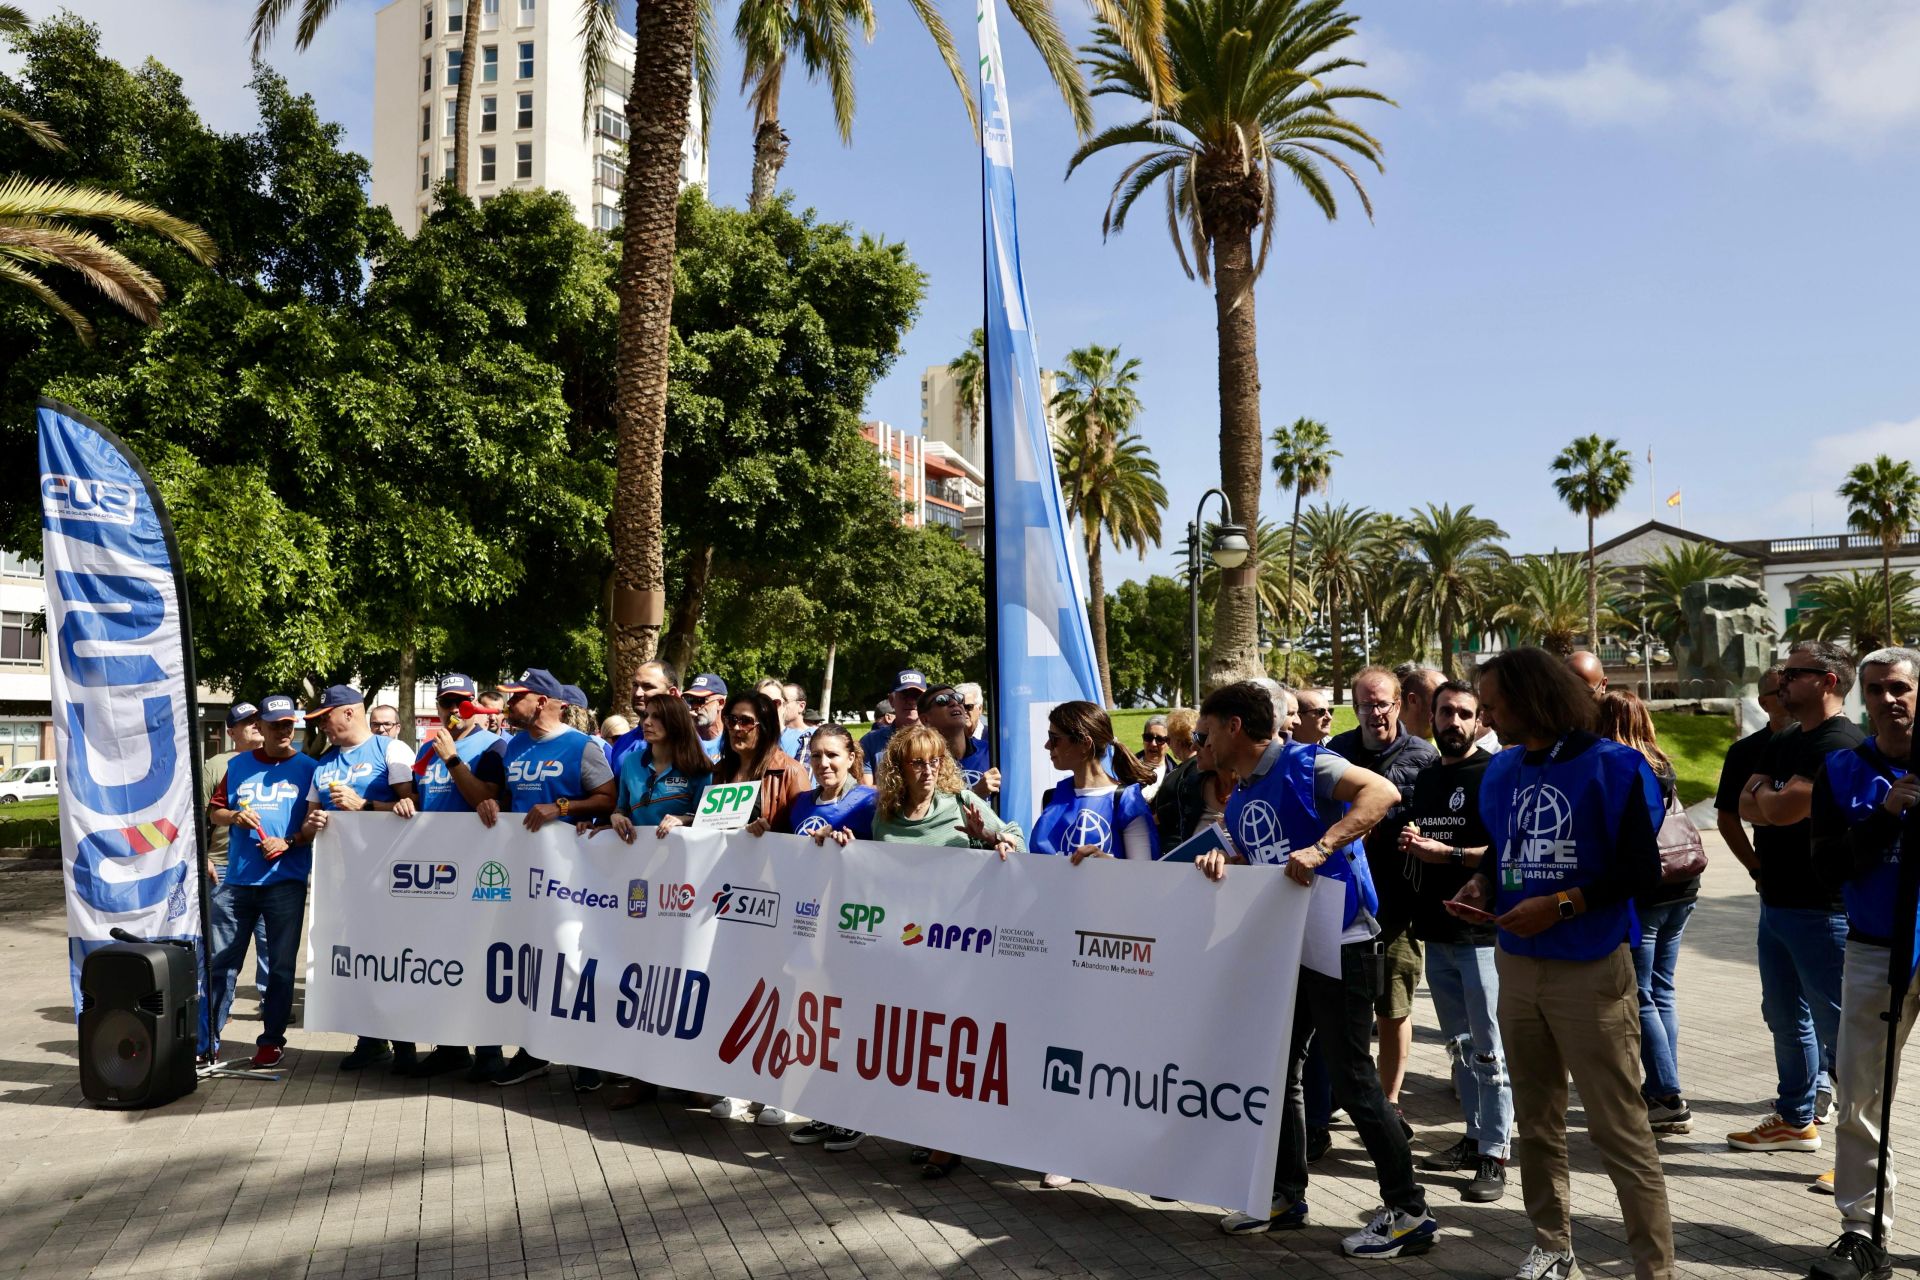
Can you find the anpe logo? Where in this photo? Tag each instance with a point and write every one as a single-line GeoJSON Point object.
{"type": "Point", "coordinates": [745, 905]}
{"type": "Point", "coordinates": [534, 771]}
{"type": "Point", "coordinates": [813, 826]}
{"type": "Point", "coordinates": [405, 969]}
{"type": "Point", "coordinates": [637, 899]}
{"type": "Point", "coordinates": [1165, 1091]}
{"type": "Point", "coordinates": [1259, 834]}
{"type": "Point", "coordinates": [541, 885]}
{"type": "Point", "coordinates": [911, 935]}
{"type": "Point", "coordinates": [1544, 818]}
{"type": "Point", "coordinates": [423, 879]}
{"type": "Point", "coordinates": [74, 498]}
{"type": "Point", "coordinates": [492, 884]}
{"type": "Point", "coordinates": [674, 899]}
{"type": "Point", "coordinates": [255, 794]}
{"type": "Point", "coordinates": [860, 917]}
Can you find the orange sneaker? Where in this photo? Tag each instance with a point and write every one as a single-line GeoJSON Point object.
{"type": "Point", "coordinates": [1822, 1185]}
{"type": "Point", "coordinates": [1775, 1134]}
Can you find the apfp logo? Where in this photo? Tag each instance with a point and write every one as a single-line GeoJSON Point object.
{"type": "Point", "coordinates": [422, 879]}
{"type": "Point", "coordinates": [74, 498]}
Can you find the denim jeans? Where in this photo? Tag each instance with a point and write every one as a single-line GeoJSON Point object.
{"type": "Point", "coordinates": [1337, 1016]}
{"type": "Point", "coordinates": [220, 916]}
{"type": "Point", "coordinates": [1466, 999]}
{"type": "Point", "coordinates": [282, 906]}
{"type": "Point", "coordinates": [1802, 955]}
{"type": "Point", "coordinates": [1654, 961]}
{"type": "Point", "coordinates": [1319, 1092]}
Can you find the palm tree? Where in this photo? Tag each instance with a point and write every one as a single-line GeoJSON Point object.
{"type": "Point", "coordinates": [1547, 601]}
{"type": "Point", "coordinates": [1110, 483]}
{"type": "Point", "coordinates": [1853, 607]}
{"type": "Point", "coordinates": [1593, 476]}
{"type": "Point", "coordinates": [1277, 596]}
{"type": "Point", "coordinates": [1250, 106]}
{"type": "Point", "coordinates": [969, 370]}
{"type": "Point", "coordinates": [1665, 579]}
{"type": "Point", "coordinates": [1448, 577]}
{"type": "Point", "coordinates": [1303, 455]}
{"type": "Point", "coordinates": [815, 32]}
{"type": "Point", "coordinates": [1883, 502]}
{"type": "Point", "coordinates": [1342, 546]}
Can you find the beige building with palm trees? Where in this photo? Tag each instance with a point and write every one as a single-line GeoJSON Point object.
{"type": "Point", "coordinates": [944, 418]}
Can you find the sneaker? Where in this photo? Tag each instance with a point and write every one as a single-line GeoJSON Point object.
{"type": "Point", "coordinates": [367, 1053]}
{"type": "Point", "coordinates": [587, 1079]}
{"type": "Point", "coordinates": [267, 1055]}
{"type": "Point", "coordinates": [1319, 1142]}
{"type": "Point", "coordinates": [1489, 1181]}
{"type": "Point", "coordinates": [405, 1059]}
{"type": "Point", "coordinates": [1285, 1217]}
{"type": "Point", "coordinates": [727, 1109]}
{"type": "Point", "coordinates": [444, 1058]}
{"type": "Point", "coordinates": [1671, 1116]}
{"type": "Point", "coordinates": [811, 1132]}
{"type": "Point", "coordinates": [843, 1139]}
{"type": "Point", "coordinates": [1775, 1134]}
{"type": "Point", "coordinates": [1391, 1233]}
{"type": "Point", "coordinates": [1822, 1185]}
{"type": "Point", "coordinates": [772, 1117]}
{"type": "Point", "coordinates": [1541, 1265]}
{"type": "Point", "coordinates": [1824, 1110]}
{"type": "Point", "coordinates": [1852, 1257]}
{"type": "Point", "coordinates": [1453, 1159]}
{"type": "Point", "coordinates": [522, 1068]}
{"type": "Point", "coordinates": [486, 1068]}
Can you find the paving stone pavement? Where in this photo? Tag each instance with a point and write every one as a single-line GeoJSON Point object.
{"type": "Point", "coordinates": [349, 1177]}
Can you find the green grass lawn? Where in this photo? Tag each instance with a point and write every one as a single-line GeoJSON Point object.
{"type": "Point", "coordinates": [30, 823]}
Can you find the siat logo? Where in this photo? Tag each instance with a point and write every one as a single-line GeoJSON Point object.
{"type": "Point", "coordinates": [74, 498]}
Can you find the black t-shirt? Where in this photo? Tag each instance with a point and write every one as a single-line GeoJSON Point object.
{"type": "Point", "coordinates": [1445, 806]}
{"type": "Point", "coordinates": [1787, 875]}
{"type": "Point", "coordinates": [1399, 763]}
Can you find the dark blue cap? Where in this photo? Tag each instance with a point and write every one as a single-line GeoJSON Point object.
{"type": "Point", "coordinates": [707, 682]}
{"type": "Point", "coordinates": [573, 695]}
{"type": "Point", "coordinates": [536, 680]}
{"type": "Point", "coordinates": [278, 706]}
{"type": "Point", "coordinates": [240, 713]}
{"type": "Point", "coordinates": [337, 695]}
{"type": "Point", "coordinates": [910, 680]}
{"type": "Point", "coordinates": [454, 682]}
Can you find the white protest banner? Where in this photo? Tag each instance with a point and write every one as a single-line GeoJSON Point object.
{"type": "Point", "coordinates": [1120, 1022]}
{"type": "Point", "coordinates": [727, 806]}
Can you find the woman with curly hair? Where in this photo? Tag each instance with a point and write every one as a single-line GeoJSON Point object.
{"type": "Point", "coordinates": [924, 800]}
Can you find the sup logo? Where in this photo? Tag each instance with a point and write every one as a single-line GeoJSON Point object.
{"type": "Point", "coordinates": [422, 879]}
{"type": "Point", "coordinates": [76, 498]}
{"type": "Point", "coordinates": [534, 771]}
{"type": "Point", "coordinates": [340, 774]}
{"type": "Point", "coordinates": [255, 794]}
{"type": "Point", "coordinates": [492, 884]}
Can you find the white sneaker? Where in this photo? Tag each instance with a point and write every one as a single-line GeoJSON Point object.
{"type": "Point", "coordinates": [728, 1108]}
{"type": "Point", "coordinates": [771, 1116]}
{"type": "Point", "coordinates": [1541, 1265]}
{"type": "Point", "coordinates": [1824, 1111]}
{"type": "Point", "coordinates": [1390, 1233]}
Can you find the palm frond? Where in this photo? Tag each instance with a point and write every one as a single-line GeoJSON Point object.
{"type": "Point", "coordinates": [22, 197]}
{"type": "Point", "coordinates": [39, 131]}
{"type": "Point", "coordinates": [1036, 18]}
{"type": "Point", "coordinates": [54, 302]}
{"type": "Point", "coordinates": [124, 283]}
{"type": "Point", "coordinates": [929, 15]}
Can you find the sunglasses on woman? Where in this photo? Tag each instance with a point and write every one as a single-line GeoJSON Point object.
{"type": "Point", "coordinates": [1154, 739]}
{"type": "Point", "coordinates": [743, 722]}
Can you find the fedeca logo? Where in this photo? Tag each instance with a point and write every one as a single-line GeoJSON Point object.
{"type": "Point", "coordinates": [77, 498]}
{"type": "Point", "coordinates": [637, 899]}
{"type": "Point", "coordinates": [406, 969]}
{"type": "Point", "coordinates": [1066, 1071]}
{"type": "Point", "coordinates": [492, 883]}
{"type": "Point", "coordinates": [746, 905]}
{"type": "Point", "coordinates": [422, 879]}
{"type": "Point", "coordinates": [542, 885]}
{"type": "Point", "coordinates": [674, 899]}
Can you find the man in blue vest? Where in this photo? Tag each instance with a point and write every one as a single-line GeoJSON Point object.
{"type": "Point", "coordinates": [362, 770]}
{"type": "Point", "coordinates": [1305, 810]}
{"type": "Point", "coordinates": [262, 800]}
{"type": "Point", "coordinates": [1863, 805]}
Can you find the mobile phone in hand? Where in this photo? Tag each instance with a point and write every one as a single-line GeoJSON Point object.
{"type": "Point", "coordinates": [1473, 915]}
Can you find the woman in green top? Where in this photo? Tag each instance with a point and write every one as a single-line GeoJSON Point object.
{"type": "Point", "coordinates": [924, 800]}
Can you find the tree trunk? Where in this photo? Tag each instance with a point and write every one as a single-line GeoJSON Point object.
{"type": "Point", "coordinates": [826, 684]}
{"type": "Point", "coordinates": [1446, 641]}
{"type": "Point", "coordinates": [409, 657]}
{"type": "Point", "coordinates": [1236, 650]}
{"type": "Point", "coordinates": [1286, 606]}
{"type": "Point", "coordinates": [657, 107]}
{"type": "Point", "coordinates": [769, 156]}
{"type": "Point", "coordinates": [463, 100]}
{"type": "Point", "coordinates": [1593, 594]}
{"type": "Point", "coordinates": [682, 642]}
{"type": "Point", "coordinates": [1886, 588]}
{"type": "Point", "coordinates": [1097, 611]}
{"type": "Point", "coordinates": [1333, 612]}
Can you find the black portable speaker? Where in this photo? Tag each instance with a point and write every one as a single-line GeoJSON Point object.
{"type": "Point", "coordinates": [139, 1023]}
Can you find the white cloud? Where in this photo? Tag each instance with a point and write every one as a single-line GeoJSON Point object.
{"type": "Point", "coordinates": [1608, 90]}
{"type": "Point", "coordinates": [1808, 497]}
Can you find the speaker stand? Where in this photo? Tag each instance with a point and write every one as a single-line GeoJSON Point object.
{"type": "Point", "coordinates": [234, 1071]}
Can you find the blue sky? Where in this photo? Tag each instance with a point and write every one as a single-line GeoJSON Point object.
{"type": "Point", "coordinates": [1684, 223]}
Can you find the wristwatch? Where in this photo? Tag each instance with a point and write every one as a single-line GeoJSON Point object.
{"type": "Point", "coordinates": [1456, 855]}
{"type": "Point", "coordinates": [561, 804]}
{"type": "Point", "coordinates": [1566, 905]}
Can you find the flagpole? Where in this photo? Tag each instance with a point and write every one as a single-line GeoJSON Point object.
{"type": "Point", "coordinates": [992, 698]}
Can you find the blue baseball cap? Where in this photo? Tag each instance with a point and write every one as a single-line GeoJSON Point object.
{"type": "Point", "coordinates": [455, 683]}
{"type": "Point", "coordinates": [240, 713]}
{"type": "Point", "coordinates": [276, 707]}
{"type": "Point", "coordinates": [536, 680]}
{"type": "Point", "coordinates": [573, 695]}
{"type": "Point", "coordinates": [337, 695]}
{"type": "Point", "coordinates": [910, 680]}
{"type": "Point", "coordinates": [706, 682]}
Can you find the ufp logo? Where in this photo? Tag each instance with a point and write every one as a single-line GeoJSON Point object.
{"type": "Point", "coordinates": [534, 770]}
{"type": "Point", "coordinates": [422, 879]}
{"type": "Point", "coordinates": [73, 498]}
{"type": "Point", "coordinates": [637, 899]}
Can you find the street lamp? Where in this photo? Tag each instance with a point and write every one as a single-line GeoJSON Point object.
{"type": "Point", "coordinates": [1228, 550]}
{"type": "Point", "coordinates": [1649, 648]}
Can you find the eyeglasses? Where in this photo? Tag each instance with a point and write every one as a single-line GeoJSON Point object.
{"type": "Point", "coordinates": [942, 700]}
{"type": "Point", "coordinates": [1154, 739]}
{"type": "Point", "coordinates": [1374, 708]}
{"type": "Point", "coordinates": [380, 726]}
{"type": "Point", "coordinates": [1199, 737]}
{"type": "Point", "coordinates": [743, 722]}
{"type": "Point", "coordinates": [1788, 673]}
{"type": "Point", "coordinates": [923, 764]}
{"type": "Point", "coordinates": [1318, 713]}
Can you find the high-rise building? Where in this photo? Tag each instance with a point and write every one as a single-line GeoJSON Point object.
{"type": "Point", "coordinates": [528, 124]}
{"type": "Point", "coordinates": [943, 418]}
{"type": "Point", "coordinates": [935, 485]}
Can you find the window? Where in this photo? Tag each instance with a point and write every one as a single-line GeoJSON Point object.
{"type": "Point", "coordinates": [526, 60]}
{"type": "Point", "coordinates": [19, 642]}
{"type": "Point", "coordinates": [526, 11]}
{"type": "Point", "coordinates": [524, 118]}
{"type": "Point", "coordinates": [456, 17]}
{"type": "Point", "coordinates": [489, 15]}
{"type": "Point", "coordinates": [453, 116]}
{"type": "Point", "coordinates": [426, 171]}
{"type": "Point", "coordinates": [20, 566]}
{"type": "Point", "coordinates": [426, 22]}
{"type": "Point", "coordinates": [426, 123]}
{"type": "Point", "coordinates": [488, 167]}
{"type": "Point", "coordinates": [608, 173]}
{"type": "Point", "coordinates": [426, 75]}
{"type": "Point", "coordinates": [489, 64]}
{"type": "Point", "coordinates": [446, 156]}
{"type": "Point", "coordinates": [610, 123]}
{"type": "Point", "coordinates": [453, 68]}
{"type": "Point", "coordinates": [523, 160]}
{"type": "Point", "coordinates": [489, 113]}
{"type": "Point", "coordinates": [606, 217]}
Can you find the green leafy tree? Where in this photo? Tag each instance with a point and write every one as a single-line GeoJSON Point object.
{"type": "Point", "coordinates": [1109, 480]}
{"type": "Point", "coordinates": [1546, 601]}
{"type": "Point", "coordinates": [1664, 579]}
{"type": "Point", "coordinates": [1449, 576]}
{"type": "Point", "coordinates": [1252, 107]}
{"type": "Point", "coordinates": [1591, 476]}
{"type": "Point", "coordinates": [1303, 455]}
{"type": "Point", "coordinates": [1345, 548]}
{"type": "Point", "coordinates": [1851, 608]}
{"type": "Point", "coordinates": [969, 370]}
{"type": "Point", "coordinates": [1883, 502]}
{"type": "Point", "coordinates": [1148, 642]}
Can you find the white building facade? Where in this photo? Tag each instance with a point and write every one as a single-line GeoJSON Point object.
{"type": "Point", "coordinates": [528, 126]}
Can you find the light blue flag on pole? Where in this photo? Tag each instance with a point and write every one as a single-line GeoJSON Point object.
{"type": "Point", "coordinates": [1044, 647]}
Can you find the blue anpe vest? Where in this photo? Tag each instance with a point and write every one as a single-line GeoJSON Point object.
{"type": "Point", "coordinates": [854, 811]}
{"type": "Point", "coordinates": [1271, 816]}
{"type": "Point", "coordinates": [363, 769]}
{"type": "Point", "coordinates": [438, 794]}
{"type": "Point", "coordinates": [542, 772]}
{"type": "Point", "coordinates": [277, 791]}
{"type": "Point", "coordinates": [1070, 820]}
{"type": "Point", "coordinates": [1858, 789]}
{"type": "Point", "coordinates": [1555, 826]}
{"type": "Point", "coordinates": [977, 762]}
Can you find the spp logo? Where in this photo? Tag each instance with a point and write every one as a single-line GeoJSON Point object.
{"type": "Point", "coordinates": [534, 771]}
{"type": "Point", "coordinates": [492, 884]}
{"type": "Point", "coordinates": [861, 917]}
{"type": "Point", "coordinates": [745, 905]}
{"type": "Point", "coordinates": [422, 879]}
{"type": "Point", "coordinates": [674, 899]}
{"type": "Point", "coordinates": [75, 498]}
{"type": "Point", "coordinates": [255, 794]}
{"type": "Point", "coordinates": [637, 899]}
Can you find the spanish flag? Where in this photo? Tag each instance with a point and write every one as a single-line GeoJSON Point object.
{"type": "Point", "coordinates": [1674, 501]}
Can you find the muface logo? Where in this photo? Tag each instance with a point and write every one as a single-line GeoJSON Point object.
{"type": "Point", "coordinates": [1165, 1091]}
{"type": "Point", "coordinates": [674, 899]}
{"type": "Point", "coordinates": [541, 885]}
{"type": "Point", "coordinates": [422, 879]}
{"type": "Point", "coordinates": [1258, 832]}
{"type": "Point", "coordinates": [534, 771]}
{"type": "Point", "coordinates": [637, 899]}
{"type": "Point", "coordinates": [75, 498]}
{"type": "Point", "coordinates": [492, 884]}
{"type": "Point", "coordinates": [745, 905]}
{"type": "Point", "coordinates": [406, 969]}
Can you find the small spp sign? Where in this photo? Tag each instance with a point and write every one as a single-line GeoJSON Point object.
{"type": "Point", "coordinates": [727, 806]}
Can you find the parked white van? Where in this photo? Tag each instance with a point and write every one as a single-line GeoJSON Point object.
{"type": "Point", "coordinates": [30, 781]}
